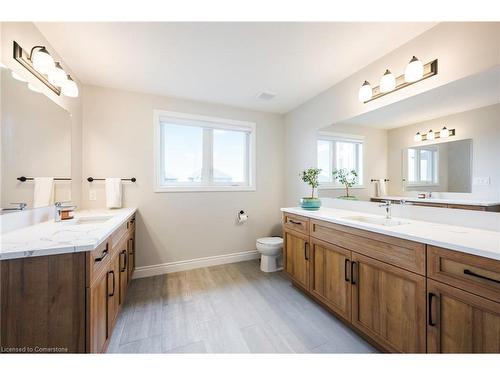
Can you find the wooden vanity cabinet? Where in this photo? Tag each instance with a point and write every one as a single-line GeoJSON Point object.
{"type": "Point", "coordinates": [296, 257]}
{"type": "Point", "coordinates": [97, 312]}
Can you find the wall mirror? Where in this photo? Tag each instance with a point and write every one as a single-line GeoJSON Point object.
{"type": "Point", "coordinates": [36, 142]}
{"type": "Point", "coordinates": [391, 161]}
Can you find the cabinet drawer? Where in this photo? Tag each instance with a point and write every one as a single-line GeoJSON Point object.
{"type": "Point", "coordinates": [117, 236]}
{"type": "Point", "coordinates": [472, 273]}
{"type": "Point", "coordinates": [296, 223]}
{"type": "Point", "coordinates": [402, 253]}
{"type": "Point", "coordinates": [97, 261]}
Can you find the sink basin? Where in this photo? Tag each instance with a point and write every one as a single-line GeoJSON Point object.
{"type": "Point", "coordinates": [92, 220]}
{"type": "Point", "coordinates": [377, 220]}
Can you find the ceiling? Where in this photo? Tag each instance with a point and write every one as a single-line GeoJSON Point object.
{"type": "Point", "coordinates": [468, 93]}
{"type": "Point", "coordinates": [227, 63]}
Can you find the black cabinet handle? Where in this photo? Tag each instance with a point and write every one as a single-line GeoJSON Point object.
{"type": "Point", "coordinates": [102, 257]}
{"type": "Point", "coordinates": [353, 281]}
{"type": "Point", "coordinates": [294, 222]}
{"type": "Point", "coordinates": [430, 297]}
{"type": "Point", "coordinates": [346, 265]}
{"type": "Point", "coordinates": [131, 245]}
{"type": "Point", "coordinates": [113, 292]}
{"type": "Point", "coordinates": [305, 251]}
{"type": "Point", "coordinates": [470, 273]}
{"type": "Point", "coordinates": [124, 253]}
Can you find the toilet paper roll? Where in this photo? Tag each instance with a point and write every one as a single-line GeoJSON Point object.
{"type": "Point", "coordinates": [242, 218]}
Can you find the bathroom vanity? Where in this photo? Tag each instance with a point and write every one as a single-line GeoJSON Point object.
{"type": "Point", "coordinates": [63, 283]}
{"type": "Point", "coordinates": [407, 287]}
{"type": "Point", "coordinates": [443, 203]}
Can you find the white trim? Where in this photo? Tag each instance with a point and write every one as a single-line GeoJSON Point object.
{"type": "Point", "coordinates": [184, 265]}
{"type": "Point", "coordinates": [215, 123]}
{"type": "Point", "coordinates": [331, 136]}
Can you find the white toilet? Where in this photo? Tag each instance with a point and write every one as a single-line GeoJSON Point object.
{"type": "Point", "coordinates": [270, 250]}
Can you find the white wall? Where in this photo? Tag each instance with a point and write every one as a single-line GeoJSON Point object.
{"type": "Point", "coordinates": [118, 141]}
{"type": "Point", "coordinates": [374, 159]}
{"type": "Point", "coordinates": [463, 49]}
{"type": "Point", "coordinates": [482, 125]}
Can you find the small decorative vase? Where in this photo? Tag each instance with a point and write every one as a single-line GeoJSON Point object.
{"type": "Point", "coordinates": [310, 204]}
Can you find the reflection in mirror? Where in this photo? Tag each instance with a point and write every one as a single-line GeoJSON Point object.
{"type": "Point", "coordinates": [442, 167]}
{"type": "Point", "coordinates": [36, 142]}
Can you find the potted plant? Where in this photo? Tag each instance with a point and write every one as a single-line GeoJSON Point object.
{"type": "Point", "coordinates": [347, 178]}
{"type": "Point", "coordinates": [310, 176]}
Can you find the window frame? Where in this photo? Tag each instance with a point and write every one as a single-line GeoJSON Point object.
{"type": "Point", "coordinates": [206, 122]}
{"type": "Point", "coordinates": [347, 138]}
{"type": "Point", "coordinates": [416, 163]}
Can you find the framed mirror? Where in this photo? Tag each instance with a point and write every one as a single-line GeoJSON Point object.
{"type": "Point", "coordinates": [36, 142]}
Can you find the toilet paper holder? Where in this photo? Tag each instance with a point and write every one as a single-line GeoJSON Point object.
{"type": "Point", "coordinates": [242, 216]}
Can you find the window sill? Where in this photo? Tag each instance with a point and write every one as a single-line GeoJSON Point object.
{"type": "Point", "coordinates": [201, 189]}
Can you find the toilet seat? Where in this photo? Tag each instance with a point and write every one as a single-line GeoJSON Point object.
{"type": "Point", "coordinates": [271, 241]}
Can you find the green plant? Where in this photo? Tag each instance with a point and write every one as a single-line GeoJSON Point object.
{"type": "Point", "coordinates": [310, 176]}
{"type": "Point", "coordinates": [346, 177]}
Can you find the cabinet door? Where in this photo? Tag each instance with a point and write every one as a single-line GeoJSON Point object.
{"type": "Point", "coordinates": [123, 257]}
{"type": "Point", "coordinates": [388, 304]}
{"type": "Point", "coordinates": [461, 322]}
{"type": "Point", "coordinates": [131, 255]}
{"type": "Point", "coordinates": [113, 291]}
{"type": "Point", "coordinates": [297, 257]}
{"type": "Point", "coordinates": [330, 276]}
{"type": "Point", "coordinates": [97, 297]}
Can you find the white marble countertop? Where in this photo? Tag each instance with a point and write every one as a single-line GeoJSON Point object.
{"type": "Point", "coordinates": [480, 242]}
{"type": "Point", "coordinates": [49, 238]}
{"type": "Point", "coordinates": [467, 202]}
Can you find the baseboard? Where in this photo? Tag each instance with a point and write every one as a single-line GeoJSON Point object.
{"type": "Point", "coordinates": [184, 265]}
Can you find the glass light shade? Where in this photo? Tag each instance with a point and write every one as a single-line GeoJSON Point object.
{"type": "Point", "coordinates": [70, 88]}
{"type": "Point", "coordinates": [414, 70]}
{"type": "Point", "coordinates": [418, 137]}
{"type": "Point", "coordinates": [42, 61]}
{"type": "Point", "coordinates": [18, 77]}
{"type": "Point", "coordinates": [444, 133]}
{"type": "Point", "coordinates": [430, 135]}
{"type": "Point", "coordinates": [387, 82]}
{"type": "Point", "coordinates": [57, 76]}
{"type": "Point", "coordinates": [34, 88]}
{"type": "Point", "coordinates": [365, 92]}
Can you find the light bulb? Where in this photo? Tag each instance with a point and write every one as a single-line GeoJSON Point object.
{"type": "Point", "coordinates": [34, 88]}
{"type": "Point", "coordinates": [42, 61]}
{"type": "Point", "coordinates": [418, 137]}
{"type": "Point", "coordinates": [57, 76]}
{"type": "Point", "coordinates": [430, 135]}
{"type": "Point", "coordinates": [365, 92]}
{"type": "Point", "coordinates": [70, 88]}
{"type": "Point", "coordinates": [444, 133]}
{"type": "Point", "coordinates": [414, 70]}
{"type": "Point", "coordinates": [387, 82]}
{"type": "Point", "coordinates": [18, 77]}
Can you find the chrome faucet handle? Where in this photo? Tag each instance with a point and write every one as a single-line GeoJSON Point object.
{"type": "Point", "coordinates": [20, 205]}
{"type": "Point", "coordinates": [385, 204]}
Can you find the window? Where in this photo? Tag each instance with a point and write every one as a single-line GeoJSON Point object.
{"type": "Point", "coordinates": [422, 166]}
{"type": "Point", "coordinates": [199, 153]}
{"type": "Point", "coordinates": [337, 152]}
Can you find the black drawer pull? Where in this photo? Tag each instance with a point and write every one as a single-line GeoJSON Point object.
{"type": "Point", "coordinates": [470, 273]}
{"type": "Point", "coordinates": [294, 222]}
{"type": "Point", "coordinates": [113, 292]}
{"type": "Point", "coordinates": [346, 265]}
{"type": "Point", "coordinates": [306, 257]}
{"type": "Point", "coordinates": [430, 297]}
{"type": "Point", "coordinates": [124, 253]}
{"type": "Point", "coordinates": [102, 257]}
{"type": "Point", "coordinates": [353, 281]}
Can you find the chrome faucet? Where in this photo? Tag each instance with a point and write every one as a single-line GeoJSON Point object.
{"type": "Point", "coordinates": [388, 209]}
{"type": "Point", "coordinates": [21, 206]}
{"type": "Point", "coordinates": [59, 208]}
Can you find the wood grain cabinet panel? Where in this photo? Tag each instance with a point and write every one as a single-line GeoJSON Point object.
{"type": "Point", "coordinates": [113, 279]}
{"type": "Point", "coordinates": [97, 312]}
{"type": "Point", "coordinates": [296, 258]}
{"type": "Point", "coordinates": [388, 304]}
{"type": "Point", "coordinates": [296, 223]}
{"type": "Point", "coordinates": [461, 322]}
{"type": "Point", "coordinates": [330, 269]}
{"type": "Point", "coordinates": [123, 258]}
{"type": "Point", "coordinates": [131, 255]}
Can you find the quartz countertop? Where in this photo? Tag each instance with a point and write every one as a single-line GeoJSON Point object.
{"type": "Point", "coordinates": [479, 242]}
{"type": "Point", "coordinates": [466, 202]}
{"type": "Point", "coordinates": [50, 237]}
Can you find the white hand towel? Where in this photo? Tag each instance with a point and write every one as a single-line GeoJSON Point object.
{"type": "Point", "coordinates": [114, 192]}
{"type": "Point", "coordinates": [43, 194]}
{"type": "Point", "coordinates": [382, 188]}
{"type": "Point", "coordinates": [377, 188]}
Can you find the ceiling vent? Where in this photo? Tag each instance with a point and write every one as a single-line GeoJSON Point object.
{"type": "Point", "coordinates": [266, 95]}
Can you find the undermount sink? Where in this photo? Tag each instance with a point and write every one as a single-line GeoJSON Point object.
{"type": "Point", "coordinates": [377, 220]}
{"type": "Point", "coordinates": [92, 220]}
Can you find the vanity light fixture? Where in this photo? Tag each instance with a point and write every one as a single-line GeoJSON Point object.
{"type": "Point", "coordinates": [40, 63]}
{"type": "Point", "coordinates": [432, 135]}
{"type": "Point", "coordinates": [414, 72]}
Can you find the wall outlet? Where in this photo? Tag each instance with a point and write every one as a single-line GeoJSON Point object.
{"type": "Point", "coordinates": [482, 181]}
{"type": "Point", "coordinates": [92, 195]}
